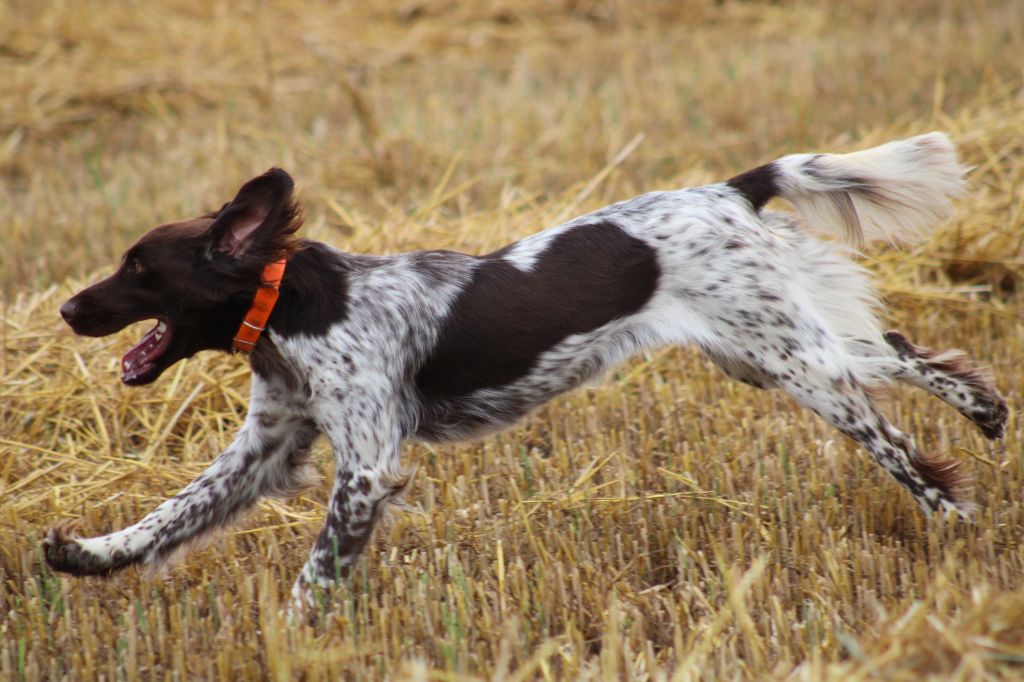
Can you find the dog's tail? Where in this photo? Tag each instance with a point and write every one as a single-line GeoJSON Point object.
{"type": "Point", "coordinates": [896, 192]}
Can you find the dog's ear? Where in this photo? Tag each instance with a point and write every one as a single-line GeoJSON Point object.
{"type": "Point", "coordinates": [260, 220]}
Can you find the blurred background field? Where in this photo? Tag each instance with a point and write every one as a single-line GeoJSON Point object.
{"type": "Point", "coordinates": [665, 524]}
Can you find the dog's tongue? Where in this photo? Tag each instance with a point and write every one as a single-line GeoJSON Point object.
{"type": "Point", "coordinates": [143, 355]}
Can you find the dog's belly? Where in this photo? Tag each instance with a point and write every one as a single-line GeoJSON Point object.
{"type": "Point", "coordinates": [486, 410]}
{"type": "Point", "coordinates": [462, 420]}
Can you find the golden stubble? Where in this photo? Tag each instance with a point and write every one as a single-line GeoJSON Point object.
{"type": "Point", "coordinates": [666, 524]}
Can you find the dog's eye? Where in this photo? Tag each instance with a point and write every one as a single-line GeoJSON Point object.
{"type": "Point", "coordinates": [135, 266]}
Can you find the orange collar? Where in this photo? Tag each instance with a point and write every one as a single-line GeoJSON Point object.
{"type": "Point", "coordinates": [262, 305]}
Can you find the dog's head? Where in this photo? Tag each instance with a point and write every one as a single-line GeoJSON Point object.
{"type": "Point", "coordinates": [195, 278]}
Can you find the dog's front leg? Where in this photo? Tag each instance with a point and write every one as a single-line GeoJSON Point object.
{"type": "Point", "coordinates": [367, 474]}
{"type": "Point", "coordinates": [268, 457]}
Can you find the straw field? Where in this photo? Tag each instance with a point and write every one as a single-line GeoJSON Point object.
{"type": "Point", "coordinates": [665, 524]}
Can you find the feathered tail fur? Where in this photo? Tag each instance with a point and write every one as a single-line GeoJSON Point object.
{"type": "Point", "coordinates": [895, 192]}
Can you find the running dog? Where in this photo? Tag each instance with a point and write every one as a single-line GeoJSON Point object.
{"type": "Point", "coordinates": [370, 351]}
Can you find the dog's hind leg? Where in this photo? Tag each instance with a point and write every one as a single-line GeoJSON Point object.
{"type": "Point", "coordinates": [955, 379]}
{"type": "Point", "coordinates": [794, 349]}
{"type": "Point", "coordinates": [819, 381]}
{"type": "Point", "coordinates": [268, 457]}
{"type": "Point", "coordinates": [937, 485]}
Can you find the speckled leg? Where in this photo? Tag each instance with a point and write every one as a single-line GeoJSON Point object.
{"type": "Point", "coordinates": [367, 474]}
{"type": "Point", "coordinates": [794, 350]}
{"type": "Point", "coordinates": [268, 457]}
{"type": "Point", "coordinates": [936, 485]}
{"type": "Point", "coordinates": [955, 379]}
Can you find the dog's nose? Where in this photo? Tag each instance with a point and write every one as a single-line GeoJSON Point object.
{"type": "Point", "coordinates": [69, 309]}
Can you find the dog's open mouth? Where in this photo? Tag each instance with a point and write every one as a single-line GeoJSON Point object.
{"type": "Point", "coordinates": [138, 362]}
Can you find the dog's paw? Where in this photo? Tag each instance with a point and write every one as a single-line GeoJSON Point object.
{"type": "Point", "coordinates": [66, 553]}
{"type": "Point", "coordinates": [61, 548]}
{"type": "Point", "coordinates": [310, 604]}
{"type": "Point", "coordinates": [991, 418]}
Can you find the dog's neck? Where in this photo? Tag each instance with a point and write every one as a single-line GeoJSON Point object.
{"type": "Point", "coordinates": [313, 294]}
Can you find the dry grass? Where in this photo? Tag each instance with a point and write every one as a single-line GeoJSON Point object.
{"type": "Point", "coordinates": [668, 524]}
